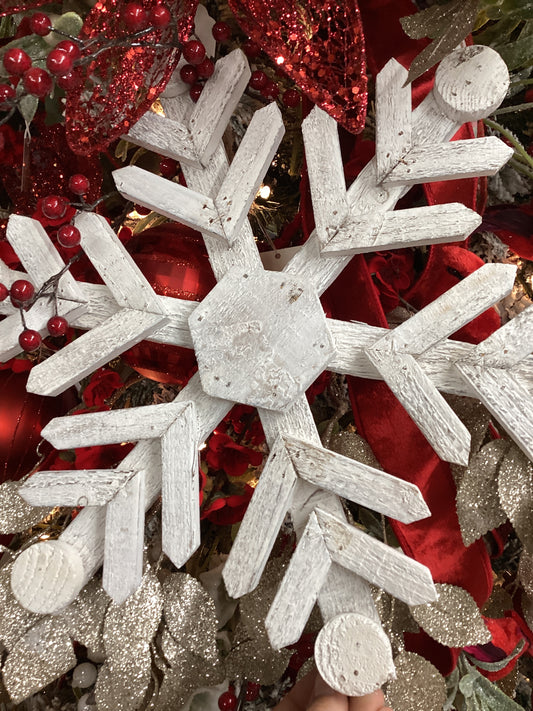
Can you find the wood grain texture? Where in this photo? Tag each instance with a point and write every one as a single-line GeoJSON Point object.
{"type": "Point", "coordinates": [165, 137]}
{"type": "Point", "coordinates": [180, 514]}
{"type": "Point", "coordinates": [378, 563]}
{"type": "Point", "coordinates": [345, 591]}
{"type": "Point", "coordinates": [92, 350]}
{"type": "Point", "coordinates": [87, 487]}
{"type": "Point", "coordinates": [252, 160]}
{"type": "Point", "coordinates": [124, 540]}
{"type": "Point", "coordinates": [356, 481]}
{"type": "Point", "coordinates": [393, 117]}
{"type": "Point", "coordinates": [508, 346]}
{"type": "Point", "coordinates": [434, 417]}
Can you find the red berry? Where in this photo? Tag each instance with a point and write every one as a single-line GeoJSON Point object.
{"type": "Point", "coordinates": [4, 292]}
{"type": "Point", "coordinates": [221, 31]}
{"type": "Point", "coordinates": [194, 52]}
{"type": "Point", "coordinates": [21, 291]}
{"type": "Point", "coordinates": [252, 691]}
{"type": "Point", "coordinates": [142, 210]}
{"type": "Point", "coordinates": [68, 236]}
{"type": "Point", "coordinates": [40, 24]}
{"type": "Point", "coordinates": [29, 340]}
{"type": "Point", "coordinates": [69, 81]}
{"type": "Point", "coordinates": [7, 94]}
{"type": "Point", "coordinates": [57, 326]}
{"type": "Point", "coordinates": [196, 90]}
{"type": "Point", "coordinates": [125, 233]}
{"type": "Point", "coordinates": [206, 68]}
{"type": "Point", "coordinates": [271, 90]}
{"type": "Point", "coordinates": [291, 98]}
{"type": "Point", "coordinates": [71, 48]}
{"type": "Point", "coordinates": [54, 207]}
{"type": "Point", "coordinates": [134, 17]}
{"type": "Point", "coordinates": [168, 167]}
{"type": "Point", "coordinates": [160, 16]}
{"type": "Point", "coordinates": [227, 701]}
{"type": "Point", "coordinates": [16, 61]}
{"type": "Point", "coordinates": [59, 62]}
{"type": "Point", "coordinates": [37, 81]}
{"type": "Point", "coordinates": [78, 184]}
{"type": "Point", "coordinates": [188, 74]}
{"type": "Point", "coordinates": [258, 80]}
{"type": "Point", "coordinates": [251, 49]}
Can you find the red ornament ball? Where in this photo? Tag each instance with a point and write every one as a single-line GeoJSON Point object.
{"type": "Point", "coordinates": [188, 74]}
{"type": "Point", "coordinates": [7, 94]}
{"type": "Point", "coordinates": [271, 90]}
{"type": "Point", "coordinates": [174, 260]}
{"type": "Point", "coordinates": [4, 292]}
{"type": "Point", "coordinates": [251, 49]}
{"type": "Point", "coordinates": [168, 167]}
{"type": "Point", "coordinates": [160, 16]}
{"type": "Point", "coordinates": [134, 16]}
{"type": "Point", "coordinates": [59, 62]}
{"type": "Point", "coordinates": [71, 48]}
{"type": "Point", "coordinates": [54, 207]}
{"type": "Point", "coordinates": [69, 81]}
{"type": "Point", "coordinates": [221, 31]}
{"type": "Point", "coordinates": [16, 61]}
{"type": "Point", "coordinates": [227, 701]}
{"type": "Point", "coordinates": [195, 91]}
{"type": "Point", "coordinates": [21, 291]}
{"type": "Point", "coordinates": [37, 81]}
{"type": "Point", "coordinates": [40, 24]}
{"type": "Point", "coordinates": [291, 98]}
{"type": "Point", "coordinates": [68, 236]}
{"type": "Point", "coordinates": [206, 68]}
{"type": "Point", "coordinates": [252, 691]}
{"type": "Point", "coordinates": [79, 184]}
{"type": "Point", "coordinates": [30, 340]}
{"type": "Point", "coordinates": [258, 80]}
{"type": "Point", "coordinates": [194, 52]}
{"type": "Point", "coordinates": [57, 326]}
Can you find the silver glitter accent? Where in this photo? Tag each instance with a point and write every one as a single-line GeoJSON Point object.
{"type": "Point", "coordinates": [415, 673]}
{"type": "Point", "coordinates": [515, 486]}
{"type": "Point", "coordinates": [454, 619]}
{"type": "Point", "coordinates": [476, 418]}
{"type": "Point", "coordinates": [352, 445]}
{"type": "Point", "coordinates": [85, 616]}
{"type": "Point", "coordinates": [44, 653]}
{"type": "Point", "coordinates": [123, 685]}
{"type": "Point", "coordinates": [254, 606]}
{"type": "Point", "coordinates": [395, 617]}
{"type": "Point", "coordinates": [15, 514]}
{"type": "Point", "coordinates": [15, 620]}
{"type": "Point", "coordinates": [253, 658]}
{"type": "Point", "coordinates": [525, 572]}
{"type": "Point", "coordinates": [478, 502]}
{"type": "Point", "coordinates": [527, 610]}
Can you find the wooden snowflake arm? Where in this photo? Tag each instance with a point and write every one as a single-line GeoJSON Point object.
{"type": "Point", "coordinates": [252, 160]}
{"type": "Point", "coordinates": [124, 540]}
{"type": "Point", "coordinates": [92, 350]}
{"type": "Point", "coordinates": [165, 137]}
{"type": "Point", "coordinates": [393, 112]}
{"type": "Point", "coordinates": [89, 487]}
{"type": "Point", "coordinates": [356, 481]}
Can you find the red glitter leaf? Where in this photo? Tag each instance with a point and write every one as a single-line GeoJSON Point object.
{"type": "Point", "coordinates": [119, 83]}
{"type": "Point", "coordinates": [10, 7]}
{"type": "Point", "coordinates": [319, 44]}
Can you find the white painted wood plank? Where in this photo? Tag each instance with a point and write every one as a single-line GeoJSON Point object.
{"type": "Point", "coordinates": [259, 528]}
{"type": "Point", "coordinates": [92, 350]}
{"type": "Point", "coordinates": [109, 257]}
{"type": "Point", "coordinates": [180, 515]}
{"type": "Point", "coordinates": [450, 311]}
{"type": "Point", "coordinates": [344, 591]}
{"type": "Point", "coordinates": [169, 199]}
{"type": "Point", "coordinates": [377, 562]}
{"type": "Point", "coordinates": [357, 482]}
{"type": "Point", "coordinates": [393, 117]}
{"type": "Point", "coordinates": [252, 160]}
{"type": "Point", "coordinates": [352, 339]}
{"type": "Point", "coordinates": [124, 540]}
{"type": "Point", "coordinates": [435, 418]}
{"type": "Point", "coordinates": [506, 398]}
{"type": "Point", "coordinates": [164, 136]}
{"type": "Point", "coordinates": [38, 255]}
{"type": "Point", "coordinates": [433, 224]}
{"type": "Point", "coordinates": [298, 592]}
{"type": "Point", "coordinates": [87, 487]}
{"type": "Point", "coordinates": [130, 424]}
{"type": "Point", "coordinates": [449, 161]}
{"type": "Point", "coordinates": [507, 346]}
{"type": "Point", "coordinates": [326, 173]}
{"type": "Point", "coordinates": [217, 102]}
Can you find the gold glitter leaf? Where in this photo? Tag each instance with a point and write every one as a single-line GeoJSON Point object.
{"type": "Point", "coordinates": [254, 659]}
{"type": "Point", "coordinates": [525, 572]}
{"type": "Point", "coordinates": [123, 685]}
{"type": "Point", "coordinates": [15, 620]}
{"type": "Point", "coordinates": [85, 616]}
{"type": "Point", "coordinates": [478, 502]}
{"type": "Point", "coordinates": [254, 606]}
{"type": "Point", "coordinates": [190, 615]}
{"type": "Point", "coordinates": [352, 445]}
{"type": "Point", "coordinates": [41, 656]}
{"type": "Point", "coordinates": [515, 486]}
{"type": "Point", "coordinates": [415, 672]}
{"type": "Point", "coordinates": [15, 514]}
{"type": "Point", "coordinates": [454, 619]}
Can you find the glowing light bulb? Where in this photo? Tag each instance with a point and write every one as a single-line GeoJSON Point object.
{"type": "Point", "coordinates": [265, 192]}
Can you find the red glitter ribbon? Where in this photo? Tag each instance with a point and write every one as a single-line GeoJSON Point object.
{"type": "Point", "coordinates": [10, 7]}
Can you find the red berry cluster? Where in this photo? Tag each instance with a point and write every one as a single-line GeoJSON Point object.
{"type": "Point", "coordinates": [199, 66]}
{"type": "Point", "coordinates": [228, 700]}
{"type": "Point", "coordinates": [137, 19]}
{"type": "Point", "coordinates": [259, 80]}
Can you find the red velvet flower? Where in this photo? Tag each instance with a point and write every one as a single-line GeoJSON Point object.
{"type": "Point", "coordinates": [223, 453]}
{"type": "Point", "coordinates": [227, 510]}
{"type": "Point", "coordinates": [393, 272]}
{"type": "Point", "coordinates": [105, 457]}
{"type": "Point", "coordinates": [102, 385]}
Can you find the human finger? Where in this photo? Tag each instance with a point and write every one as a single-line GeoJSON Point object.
{"type": "Point", "coordinates": [370, 702]}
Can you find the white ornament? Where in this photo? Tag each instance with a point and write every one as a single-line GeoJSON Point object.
{"type": "Point", "coordinates": [84, 675]}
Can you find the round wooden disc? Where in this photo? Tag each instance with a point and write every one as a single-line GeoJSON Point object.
{"type": "Point", "coordinates": [353, 655]}
{"type": "Point", "coordinates": [47, 577]}
{"type": "Point", "coordinates": [471, 83]}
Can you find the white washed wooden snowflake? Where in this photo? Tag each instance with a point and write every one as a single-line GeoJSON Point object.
{"type": "Point", "coordinates": [261, 338]}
